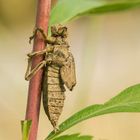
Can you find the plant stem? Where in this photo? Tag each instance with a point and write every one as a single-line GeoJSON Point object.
{"type": "Point", "coordinates": [34, 92]}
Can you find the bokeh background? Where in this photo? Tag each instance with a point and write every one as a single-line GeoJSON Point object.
{"type": "Point", "coordinates": [106, 48]}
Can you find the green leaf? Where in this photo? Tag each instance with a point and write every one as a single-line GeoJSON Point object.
{"type": "Point", "coordinates": [25, 127]}
{"type": "Point", "coordinates": [66, 10]}
{"type": "Point", "coordinates": [74, 137]}
{"type": "Point", "coordinates": [127, 101]}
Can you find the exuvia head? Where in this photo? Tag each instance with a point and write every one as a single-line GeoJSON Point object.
{"type": "Point", "coordinates": [59, 30]}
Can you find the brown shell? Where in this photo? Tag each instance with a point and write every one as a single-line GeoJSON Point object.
{"type": "Point", "coordinates": [59, 71]}
{"type": "Point", "coordinates": [53, 94]}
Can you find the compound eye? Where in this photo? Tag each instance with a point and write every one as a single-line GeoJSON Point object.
{"type": "Point", "coordinates": [54, 31]}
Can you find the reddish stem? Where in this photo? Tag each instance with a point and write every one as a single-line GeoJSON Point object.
{"type": "Point", "coordinates": [34, 92]}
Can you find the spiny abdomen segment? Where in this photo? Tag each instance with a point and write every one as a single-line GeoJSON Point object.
{"type": "Point", "coordinates": [53, 94]}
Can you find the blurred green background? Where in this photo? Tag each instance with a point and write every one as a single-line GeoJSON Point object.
{"type": "Point", "coordinates": [107, 53]}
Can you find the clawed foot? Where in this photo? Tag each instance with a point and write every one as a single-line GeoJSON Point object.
{"type": "Point", "coordinates": [35, 32]}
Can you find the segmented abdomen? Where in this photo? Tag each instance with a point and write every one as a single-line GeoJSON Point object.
{"type": "Point", "coordinates": [53, 94]}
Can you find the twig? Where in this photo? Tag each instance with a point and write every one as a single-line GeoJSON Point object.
{"type": "Point", "coordinates": [34, 92]}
